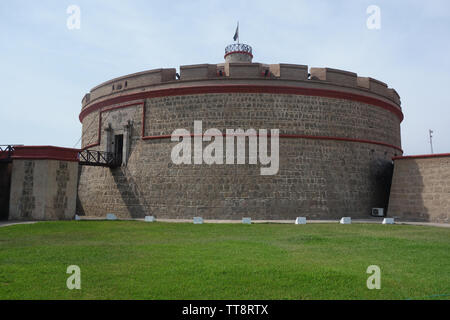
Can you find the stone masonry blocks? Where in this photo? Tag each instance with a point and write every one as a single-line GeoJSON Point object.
{"type": "Point", "coordinates": [421, 189]}
{"type": "Point", "coordinates": [43, 190]}
{"type": "Point", "coordinates": [317, 179]}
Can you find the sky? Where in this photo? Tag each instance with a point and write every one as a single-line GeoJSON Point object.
{"type": "Point", "coordinates": [46, 68]}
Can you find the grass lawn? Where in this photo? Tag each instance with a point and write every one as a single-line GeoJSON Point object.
{"type": "Point", "coordinates": [137, 260]}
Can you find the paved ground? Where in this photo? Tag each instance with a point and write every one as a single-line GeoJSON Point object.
{"type": "Point", "coordinates": [11, 223]}
{"type": "Point", "coordinates": [432, 224]}
{"type": "Point", "coordinates": [374, 220]}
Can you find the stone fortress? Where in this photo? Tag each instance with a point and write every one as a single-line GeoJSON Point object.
{"type": "Point", "coordinates": [338, 136]}
{"type": "Point", "coordinates": [338, 133]}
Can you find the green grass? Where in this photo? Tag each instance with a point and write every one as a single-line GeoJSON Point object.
{"type": "Point", "coordinates": [137, 260]}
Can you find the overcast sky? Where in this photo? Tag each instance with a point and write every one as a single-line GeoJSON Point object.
{"type": "Point", "coordinates": [46, 68]}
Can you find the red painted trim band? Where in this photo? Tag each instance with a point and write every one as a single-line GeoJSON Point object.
{"type": "Point", "coordinates": [244, 89]}
{"type": "Point", "coordinates": [45, 153]}
{"type": "Point", "coordinates": [341, 139]}
{"type": "Point", "coordinates": [242, 52]}
{"type": "Point", "coordinates": [291, 136]}
{"type": "Point", "coordinates": [423, 156]}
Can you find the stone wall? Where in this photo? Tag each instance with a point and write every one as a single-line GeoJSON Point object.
{"type": "Point", "coordinates": [319, 179]}
{"type": "Point", "coordinates": [421, 189]}
{"type": "Point", "coordinates": [292, 114]}
{"type": "Point", "coordinates": [43, 188]}
{"type": "Point", "coordinates": [338, 134]}
{"type": "Point", "coordinates": [5, 184]}
{"type": "Point", "coordinates": [316, 179]}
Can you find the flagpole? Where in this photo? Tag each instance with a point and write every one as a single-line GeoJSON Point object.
{"type": "Point", "coordinates": [431, 140]}
{"type": "Point", "coordinates": [238, 32]}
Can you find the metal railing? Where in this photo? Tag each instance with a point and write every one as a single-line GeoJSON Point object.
{"type": "Point", "coordinates": [238, 47]}
{"type": "Point", "coordinates": [99, 158]}
{"type": "Point", "coordinates": [6, 152]}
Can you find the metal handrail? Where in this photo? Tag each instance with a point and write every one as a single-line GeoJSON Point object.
{"type": "Point", "coordinates": [6, 147]}
{"type": "Point", "coordinates": [98, 158]}
{"type": "Point", "coordinates": [6, 152]}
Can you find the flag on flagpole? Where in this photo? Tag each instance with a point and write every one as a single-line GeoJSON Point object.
{"type": "Point", "coordinates": [236, 34]}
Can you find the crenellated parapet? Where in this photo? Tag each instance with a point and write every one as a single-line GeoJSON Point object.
{"type": "Point", "coordinates": [237, 73]}
{"type": "Point", "coordinates": [198, 71]}
{"type": "Point", "coordinates": [335, 76]}
{"type": "Point", "coordinates": [131, 81]}
{"type": "Point", "coordinates": [289, 71]}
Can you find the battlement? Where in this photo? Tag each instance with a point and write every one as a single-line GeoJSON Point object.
{"type": "Point", "coordinates": [336, 76]}
{"type": "Point", "coordinates": [289, 71]}
{"type": "Point", "coordinates": [198, 71]}
{"type": "Point", "coordinates": [145, 78]}
{"type": "Point", "coordinates": [239, 71]}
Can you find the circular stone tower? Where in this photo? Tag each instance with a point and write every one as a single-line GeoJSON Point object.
{"type": "Point", "coordinates": [337, 135]}
{"type": "Point", "coordinates": [238, 52]}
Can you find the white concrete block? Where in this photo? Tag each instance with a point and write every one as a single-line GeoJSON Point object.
{"type": "Point", "coordinates": [198, 220]}
{"type": "Point", "coordinates": [247, 220]}
{"type": "Point", "coordinates": [346, 220]}
{"type": "Point", "coordinates": [388, 221]}
{"type": "Point", "coordinates": [77, 217]}
{"type": "Point", "coordinates": [300, 220]}
{"type": "Point", "coordinates": [111, 216]}
{"type": "Point", "coordinates": [149, 219]}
